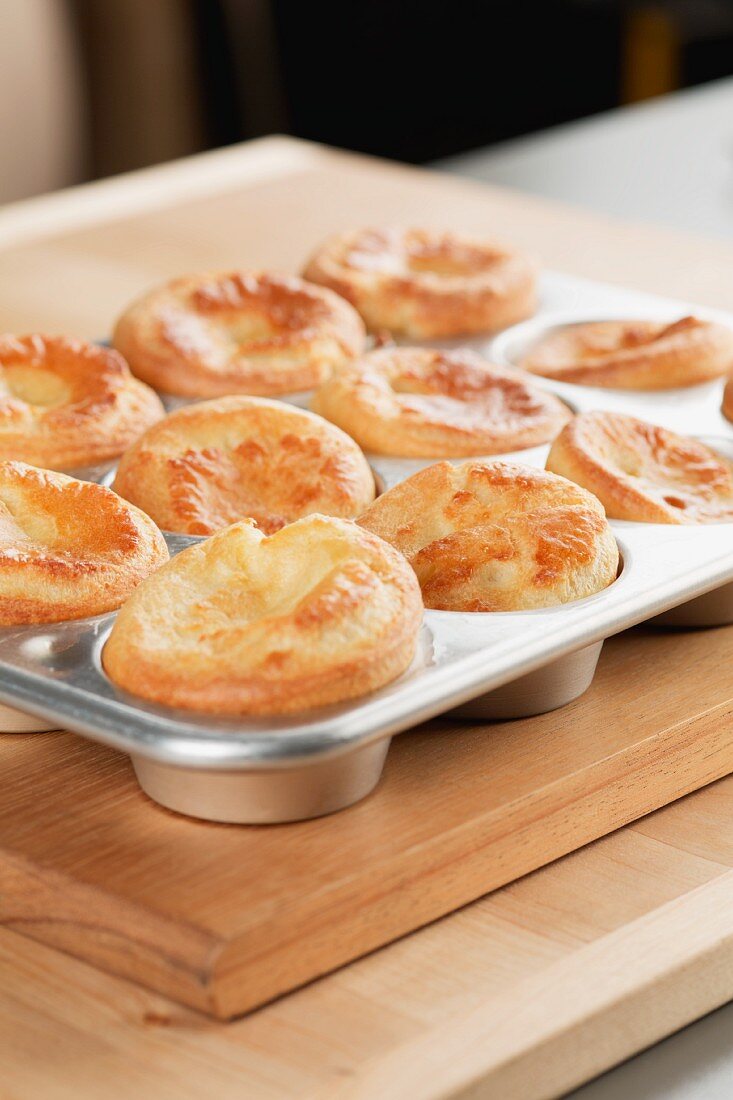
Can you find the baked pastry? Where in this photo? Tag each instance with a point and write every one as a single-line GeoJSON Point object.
{"type": "Point", "coordinates": [237, 332]}
{"type": "Point", "coordinates": [634, 355]}
{"type": "Point", "coordinates": [421, 402]}
{"type": "Point", "coordinates": [642, 472]}
{"type": "Point", "coordinates": [68, 548]}
{"type": "Point", "coordinates": [496, 536]}
{"type": "Point", "coordinates": [244, 623]}
{"type": "Point", "coordinates": [210, 464]}
{"type": "Point", "coordinates": [66, 404]}
{"type": "Point", "coordinates": [425, 284]}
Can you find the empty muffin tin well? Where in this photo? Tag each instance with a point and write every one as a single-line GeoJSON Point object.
{"type": "Point", "coordinates": [480, 666]}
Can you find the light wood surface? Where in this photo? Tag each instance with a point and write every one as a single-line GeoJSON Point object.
{"type": "Point", "coordinates": [534, 988]}
{"type": "Point", "coordinates": [225, 918]}
{"type": "Point", "coordinates": [70, 261]}
{"type": "Point", "coordinates": [521, 996]}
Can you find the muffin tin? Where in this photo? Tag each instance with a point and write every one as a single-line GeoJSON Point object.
{"type": "Point", "coordinates": [480, 666]}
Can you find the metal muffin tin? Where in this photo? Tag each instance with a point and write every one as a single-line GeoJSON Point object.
{"type": "Point", "coordinates": [482, 666]}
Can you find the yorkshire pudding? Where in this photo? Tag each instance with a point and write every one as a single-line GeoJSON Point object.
{"type": "Point", "coordinates": [424, 403]}
{"type": "Point", "coordinates": [244, 623]}
{"type": "Point", "coordinates": [207, 465]}
{"type": "Point", "coordinates": [68, 548]}
{"type": "Point", "coordinates": [424, 284]}
{"type": "Point", "coordinates": [727, 405]}
{"type": "Point", "coordinates": [237, 332]}
{"type": "Point", "coordinates": [66, 404]}
{"type": "Point", "coordinates": [496, 536]}
{"type": "Point", "coordinates": [634, 355]}
{"type": "Point", "coordinates": [642, 472]}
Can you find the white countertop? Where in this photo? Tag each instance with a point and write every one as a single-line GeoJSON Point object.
{"type": "Point", "coordinates": [669, 161]}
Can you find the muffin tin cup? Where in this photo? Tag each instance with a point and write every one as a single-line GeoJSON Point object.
{"type": "Point", "coordinates": [477, 666]}
{"type": "Point", "coordinates": [265, 797]}
{"type": "Point", "coordinates": [713, 609]}
{"type": "Point", "coordinates": [547, 688]}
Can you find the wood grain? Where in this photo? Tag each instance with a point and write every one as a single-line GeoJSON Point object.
{"type": "Point", "coordinates": [224, 918]}
{"type": "Point", "coordinates": [524, 994]}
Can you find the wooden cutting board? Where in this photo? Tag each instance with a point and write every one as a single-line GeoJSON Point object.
{"type": "Point", "coordinates": [520, 996]}
{"type": "Point", "coordinates": [224, 918]}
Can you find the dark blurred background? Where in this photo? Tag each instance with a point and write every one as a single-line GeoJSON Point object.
{"type": "Point", "coordinates": [94, 87]}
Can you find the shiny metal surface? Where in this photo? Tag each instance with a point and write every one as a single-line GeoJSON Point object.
{"type": "Point", "coordinates": [103, 472]}
{"type": "Point", "coordinates": [265, 796]}
{"type": "Point", "coordinates": [279, 769]}
{"type": "Point", "coordinates": [547, 688]}
{"type": "Point", "coordinates": [713, 609]}
{"type": "Point", "coordinates": [171, 401]}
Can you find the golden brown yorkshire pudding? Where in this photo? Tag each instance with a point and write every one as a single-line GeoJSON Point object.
{"type": "Point", "coordinates": [68, 548]}
{"type": "Point", "coordinates": [210, 464]}
{"type": "Point", "coordinates": [496, 536]}
{"type": "Point", "coordinates": [243, 623]}
{"type": "Point", "coordinates": [424, 284]}
{"type": "Point", "coordinates": [237, 332]}
{"type": "Point", "coordinates": [425, 403]}
{"type": "Point", "coordinates": [66, 404]}
{"type": "Point", "coordinates": [635, 355]}
{"type": "Point", "coordinates": [642, 472]}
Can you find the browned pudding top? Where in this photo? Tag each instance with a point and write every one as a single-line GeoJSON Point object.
{"type": "Point", "coordinates": [423, 283]}
{"type": "Point", "coordinates": [67, 403]}
{"type": "Point", "coordinates": [644, 472]}
{"type": "Point", "coordinates": [419, 252]}
{"type": "Point", "coordinates": [216, 462]}
{"type": "Point", "coordinates": [238, 332]}
{"type": "Point", "coordinates": [634, 354]}
{"type": "Point", "coordinates": [496, 536]}
{"type": "Point", "coordinates": [68, 548]}
{"type": "Point", "coordinates": [423, 402]}
{"type": "Point", "coordinates": [244, 623]}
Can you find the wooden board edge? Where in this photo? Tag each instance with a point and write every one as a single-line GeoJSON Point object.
{"type": "Point", "coordinates": [300, 944]}
{"type": "Point", "coordinates": [581, 1016]}
{"type": "Point", "coordinates": [227, 977]}
{"type": "Point", "coordinates": [199, 176]}
{"type": "Point", "coordinates": [112, 933]}
{"type": "Point", "coordinates": [216, 171]}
